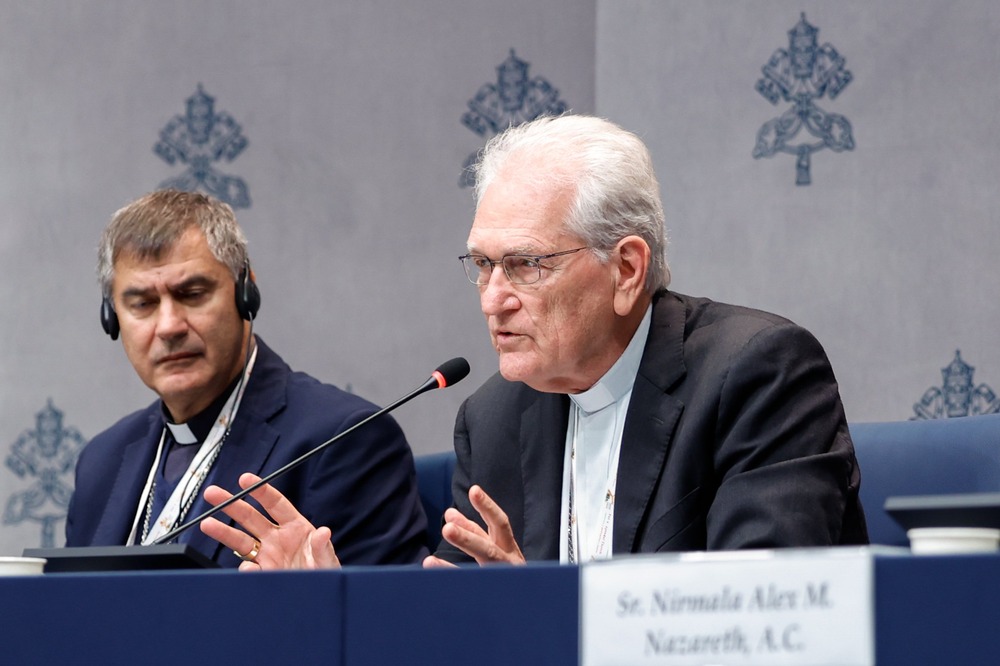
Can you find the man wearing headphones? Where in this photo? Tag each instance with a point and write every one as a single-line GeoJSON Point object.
{"type": "Point", "coordinates": [177, 287]}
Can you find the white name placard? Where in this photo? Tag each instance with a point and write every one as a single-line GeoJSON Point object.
{"type": "Point", "coordinates": [808, 607]}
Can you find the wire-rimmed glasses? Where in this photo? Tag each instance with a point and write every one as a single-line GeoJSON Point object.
{"type": "Point", "coordinates": [520, 268]}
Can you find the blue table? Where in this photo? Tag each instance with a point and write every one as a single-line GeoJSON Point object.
{"type": "Point", "coordinates": [928, 610]}
{"type": "Point", "coordinates": [937, 609]}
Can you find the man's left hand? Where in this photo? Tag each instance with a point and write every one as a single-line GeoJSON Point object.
{"type": "Point", "coordinates": [496, 544]}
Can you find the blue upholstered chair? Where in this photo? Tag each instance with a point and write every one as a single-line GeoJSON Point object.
{"type": "Point", "coordinates": [934, 457]}
{"type": "Point", "coordinates": [434, 472]}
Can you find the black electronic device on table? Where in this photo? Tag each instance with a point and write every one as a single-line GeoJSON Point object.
{"type": "Point", "coordinates": [121, 558]}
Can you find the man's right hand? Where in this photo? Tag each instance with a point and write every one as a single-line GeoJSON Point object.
{"type": "Point", "coordinates": [290, 543]}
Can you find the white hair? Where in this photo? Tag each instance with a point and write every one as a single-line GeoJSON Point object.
{"type": "Point", "coordinates": [616, 191]}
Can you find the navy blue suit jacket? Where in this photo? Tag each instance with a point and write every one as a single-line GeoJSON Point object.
{"type": "Point", "coordinates": [735, 437]}
{"type": "Point", "coordinates": [363, 488]}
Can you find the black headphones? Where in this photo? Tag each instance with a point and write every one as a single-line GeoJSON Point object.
{"type": "Point", "coordinates": [247, 294]}
{"type": "Point", "coordinates": [247, 303]}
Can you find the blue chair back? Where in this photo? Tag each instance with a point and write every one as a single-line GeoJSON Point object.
{"type": "Point", "coordinates": [933, 457]}
{"type": "Point", "coordinates": [434, 473]}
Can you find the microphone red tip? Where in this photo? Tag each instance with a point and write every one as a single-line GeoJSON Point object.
{"type": "Point", "coordinates": [442, 382]}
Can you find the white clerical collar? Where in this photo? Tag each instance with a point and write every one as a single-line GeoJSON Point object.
{"type": "Point", "coordinates": [617, 382]}
{"type": "Point", "coordinates": [196, 428]}
{"type": "Point", "coordinates": [182, 433]}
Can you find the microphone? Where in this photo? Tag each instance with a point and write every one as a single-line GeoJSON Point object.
{"type": "Point", "coordinates": [446, 374]}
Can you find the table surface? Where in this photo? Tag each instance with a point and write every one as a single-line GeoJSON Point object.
{"type": "Point", "coordinates": [928, 610]}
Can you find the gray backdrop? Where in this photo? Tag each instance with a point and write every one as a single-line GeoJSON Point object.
{"type": "Point", "coordinates": [338, 131]}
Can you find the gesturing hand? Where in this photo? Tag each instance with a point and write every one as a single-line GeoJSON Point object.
{"type": "Point", "coordinates": [290, 543]}
{"type": "Point", "coordinates": [493, 545]}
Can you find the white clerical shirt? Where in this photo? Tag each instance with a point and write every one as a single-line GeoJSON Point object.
{"type": "Point", "coordinates": [593, 442]}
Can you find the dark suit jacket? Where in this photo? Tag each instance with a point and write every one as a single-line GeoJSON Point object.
{"type": "Point", "coordinates": [735, 437]}
{"type": "Point", "coordinates": [363, 488]}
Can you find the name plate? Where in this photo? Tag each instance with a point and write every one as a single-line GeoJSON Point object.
{"type": "Point", "coordinates": [808, 607]}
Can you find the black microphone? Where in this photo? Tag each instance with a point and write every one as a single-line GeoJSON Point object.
{"type": "Point", "coordinates": [448, 373]}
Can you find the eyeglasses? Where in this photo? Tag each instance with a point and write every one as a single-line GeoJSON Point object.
{"type": "Point", "coordinates": [520, 268]}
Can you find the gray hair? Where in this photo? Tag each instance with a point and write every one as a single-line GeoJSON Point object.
{"type": "Point", "coordinates": [617, 194]}
{"type": "Point", "coordinates": [150, 225]}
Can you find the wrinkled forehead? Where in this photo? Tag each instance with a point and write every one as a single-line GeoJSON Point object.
{"type": "Point", "coordinates": [519, 215]}
{"type": "Point", "coordinates": [189, 254]}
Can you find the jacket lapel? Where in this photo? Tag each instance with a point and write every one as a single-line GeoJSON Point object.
{"type": "Point", "coordinates": [543, 444]}
{"type": "Point", "coordinates": [250, 441]}
{"type": "Point", "coordinates": [123, 500]}
{"type": "Point", "coordinates": [651, 420]}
